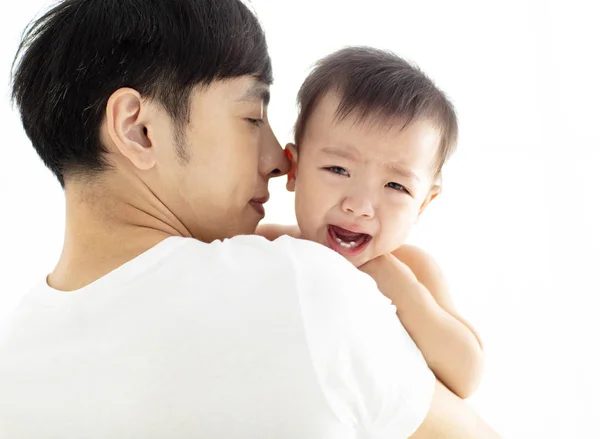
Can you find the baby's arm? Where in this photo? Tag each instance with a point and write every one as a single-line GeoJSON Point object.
{"type": "Point", "coordinates": [419, 292]}
{"type": "Point", "coordinates": [460, 364]}
{"type": "Point", "coordinates": [430, 274]}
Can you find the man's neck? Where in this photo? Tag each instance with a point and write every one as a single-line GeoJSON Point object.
{"type": "Point", "coordinates": [100, 237]}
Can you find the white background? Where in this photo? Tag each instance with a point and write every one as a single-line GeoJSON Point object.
{"type": "Point", "coordinates": [517, 228]}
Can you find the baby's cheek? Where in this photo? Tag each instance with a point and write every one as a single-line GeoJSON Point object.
{"type": "Point", "coordinates": [305, 220]}
{"type": "Point", "coordinates": [392, 237]}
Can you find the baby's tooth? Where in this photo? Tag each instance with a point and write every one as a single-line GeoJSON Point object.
{"type": "Point", "coordinates": [345, 244]}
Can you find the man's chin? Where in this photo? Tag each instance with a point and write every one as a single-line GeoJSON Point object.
{"type": "Point", "coordinates": [249, 228]}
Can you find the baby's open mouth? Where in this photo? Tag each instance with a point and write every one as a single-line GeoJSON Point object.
{"type": "Point", "coordinates": [347, 242]}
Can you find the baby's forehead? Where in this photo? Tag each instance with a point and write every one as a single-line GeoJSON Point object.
{"type": "Point", "coordinates": [385, 143]}
{"type": "Point", "coordinates": [330, 114]}
{"type": "Point", "coordinates": [373, 135]}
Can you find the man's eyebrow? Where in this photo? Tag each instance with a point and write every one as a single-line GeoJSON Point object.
{"type": "Point", "coordinates": [258, 91]}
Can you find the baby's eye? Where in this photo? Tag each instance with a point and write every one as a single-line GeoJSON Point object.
{"type": "Point", "coordinates": [397, 187]}
{"type": "Point", "coordinates": [337, 170]}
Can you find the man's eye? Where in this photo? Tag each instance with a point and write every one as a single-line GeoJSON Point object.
{"type": "Point", "coordinates": [397, 187]}
{"type": "Point", "coordinates": [337, 170]}
{"type": "Point", "coordinates": [255, 122]}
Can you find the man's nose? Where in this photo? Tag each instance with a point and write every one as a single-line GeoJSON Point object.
{"type": "Point", "coordinates": [273, 162]}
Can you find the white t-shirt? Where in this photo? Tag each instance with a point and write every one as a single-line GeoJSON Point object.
{"type": "Point", "coordinates": [244, 338]}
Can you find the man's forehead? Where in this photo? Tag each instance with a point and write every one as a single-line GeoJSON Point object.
{"type": "Point", "coordinates": [239, 89]}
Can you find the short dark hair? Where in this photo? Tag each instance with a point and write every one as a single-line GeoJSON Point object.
{"type": "Point", "coordinates": [377, 83]}
{"type": "Point", "coordinates": [75, 56]}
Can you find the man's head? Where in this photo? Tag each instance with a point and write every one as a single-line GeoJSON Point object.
{"type": "Point", "coordinates": [371, 139]}
{"type": "Point", "coordinates": [166, 97]}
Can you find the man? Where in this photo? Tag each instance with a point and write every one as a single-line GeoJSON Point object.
{"type": "Point", "coordinates": [153, 116]}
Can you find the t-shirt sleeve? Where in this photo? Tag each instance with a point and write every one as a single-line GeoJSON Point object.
{"type": "Point", "coordinates": [371, 372]}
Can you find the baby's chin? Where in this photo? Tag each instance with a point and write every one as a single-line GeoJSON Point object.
{"type": "Point", "coordinates": [370, 254]}
{"type": "Point", "coordinates": [360, 260]}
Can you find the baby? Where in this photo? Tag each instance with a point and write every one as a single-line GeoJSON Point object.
{"type": "Point", "coordinates": [372, 137]}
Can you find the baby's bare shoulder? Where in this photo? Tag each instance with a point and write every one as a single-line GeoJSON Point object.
{"type": "Point", "coordinates": [419, 261]}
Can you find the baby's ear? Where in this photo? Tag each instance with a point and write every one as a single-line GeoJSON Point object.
{"type": "Point", "coordinates": [435, 190]}
{"type": "Point", "coordinates": [291, 151]}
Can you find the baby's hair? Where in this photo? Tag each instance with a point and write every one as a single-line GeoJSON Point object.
{"type": "Point", "coordinates": [373, 84]}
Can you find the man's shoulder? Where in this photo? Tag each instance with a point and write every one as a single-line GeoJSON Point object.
{"type": "Point", "coordinates": [284, 249]}
{"type": "Point", "coordinates": [310, 267]}
{"type": "Point", "coordinates": [312, 262]}
{"type": "Point", "coordinates": [305, 272]}
{"type": "Point", "coordinates": [256, 253]}
{"type": "Point", "coordinates": [281, 243]}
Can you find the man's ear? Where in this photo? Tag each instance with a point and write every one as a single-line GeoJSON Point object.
{"type": "Point", "coordinates": [127, 126]}
{"type": "Point", "coordinates": [291, 151]}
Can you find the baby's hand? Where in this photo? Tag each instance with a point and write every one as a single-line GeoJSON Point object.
{"type": "Point", "coordinates": [390, 274]}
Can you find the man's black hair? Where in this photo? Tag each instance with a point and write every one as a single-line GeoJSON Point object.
{"type": "Point", "coordinates": [75, 56]}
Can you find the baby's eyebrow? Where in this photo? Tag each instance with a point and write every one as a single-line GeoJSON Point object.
{"type": "Point", "coordinates": [343, 153]}
{"type": "Point", "coordinates": [403, 172]}
{"type": "Point", "coordinates": [352, 154]}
